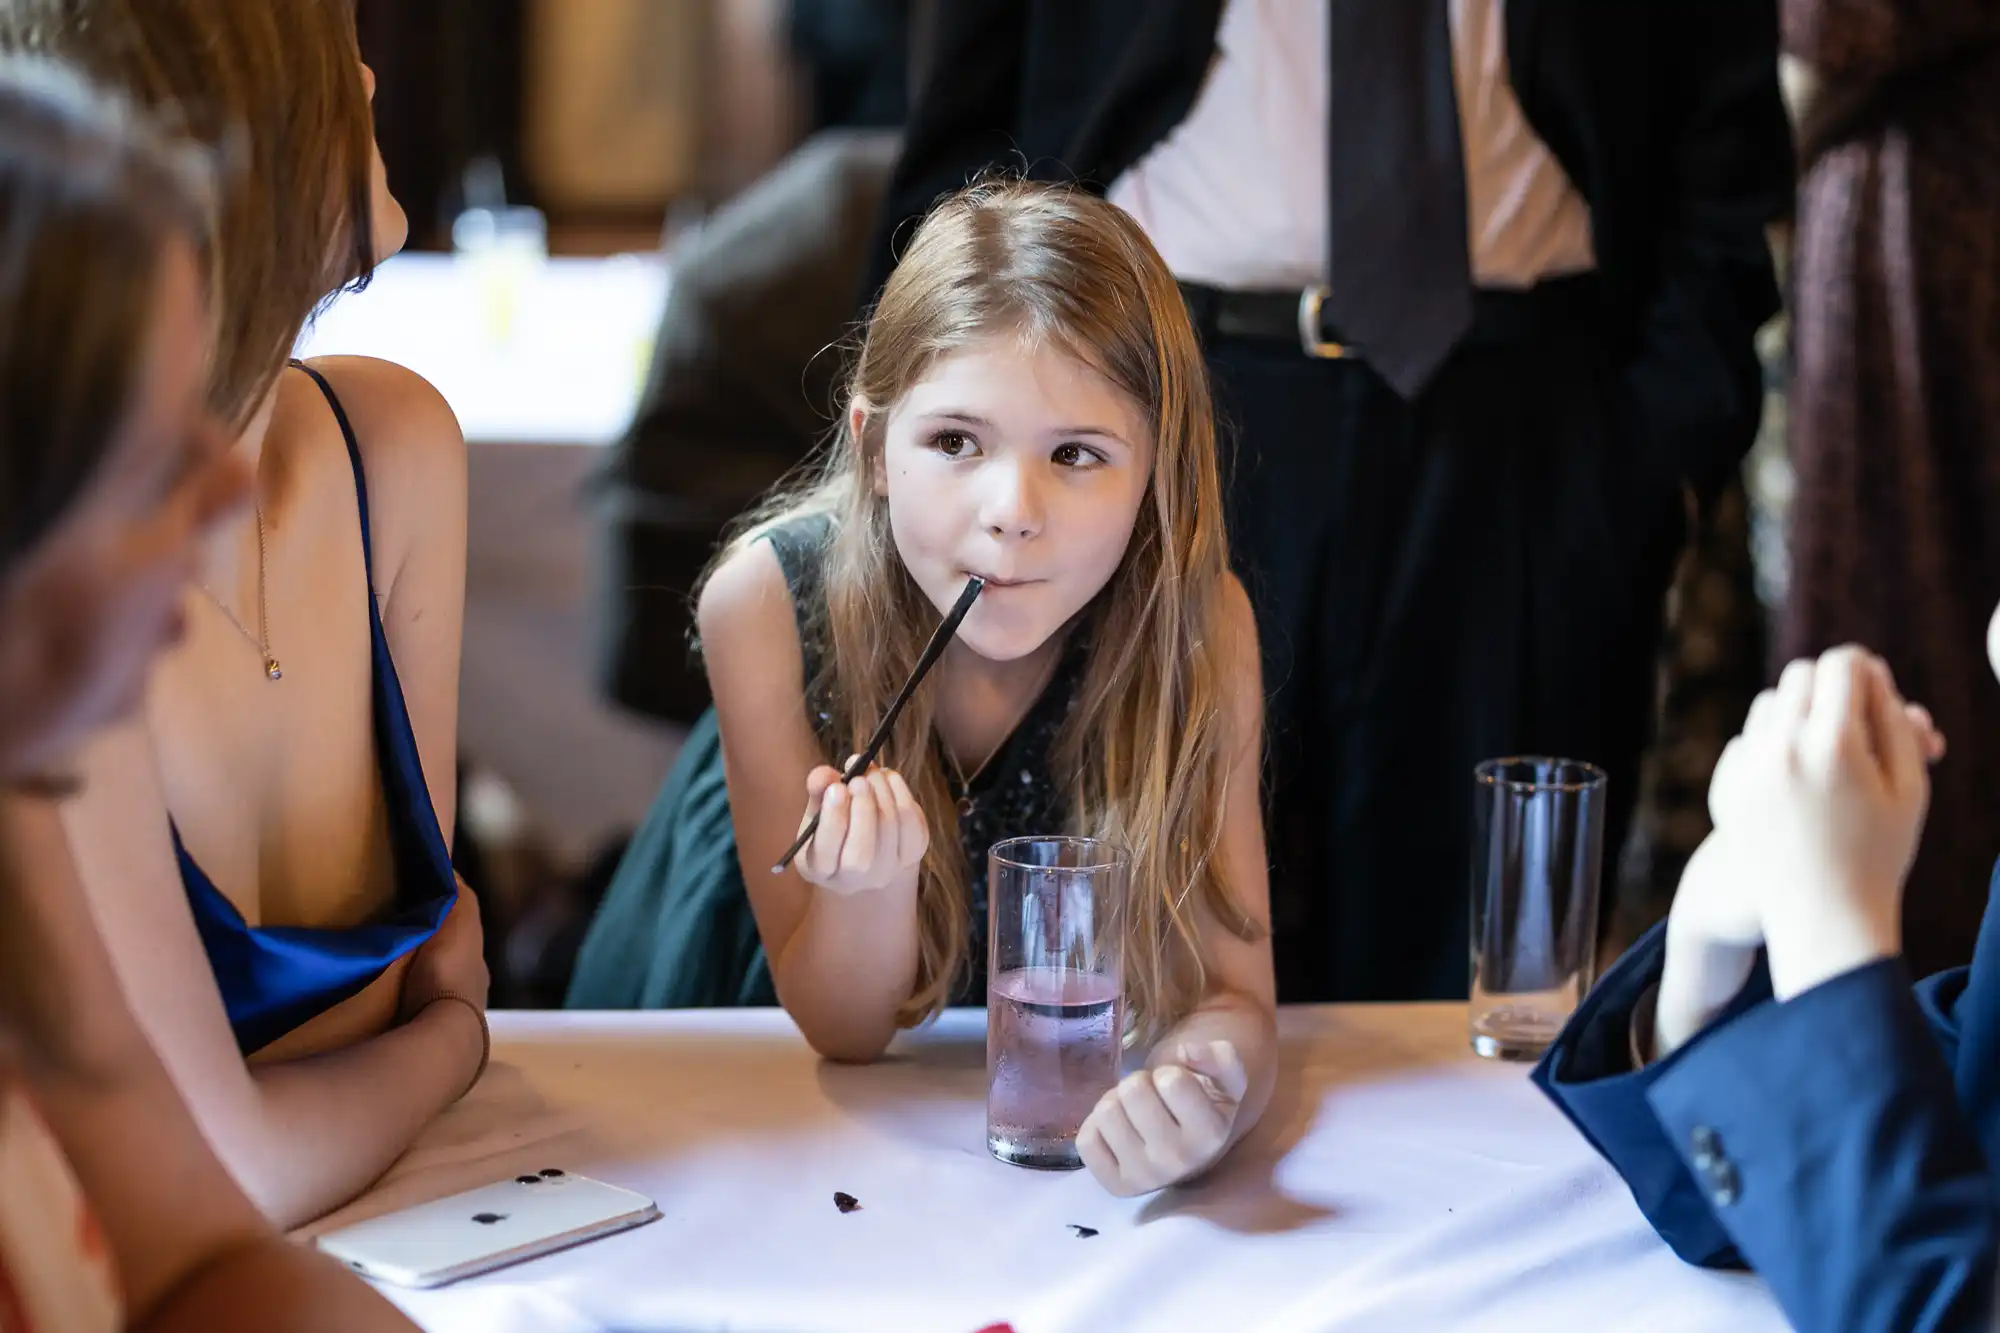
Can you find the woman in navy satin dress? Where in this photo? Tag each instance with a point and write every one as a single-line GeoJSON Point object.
{"type": "Point", "coordinates": [267, 846]}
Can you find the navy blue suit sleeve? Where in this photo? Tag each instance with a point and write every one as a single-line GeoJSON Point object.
{"type": "Point", "coordinates": [1838, 1158]}
{"type": "Point", "coordinates": [1588, 1073]}
{"type": "Point", "coordinates": [1839, 1143]}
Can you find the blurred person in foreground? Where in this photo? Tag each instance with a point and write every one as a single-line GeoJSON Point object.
{"type": "Point", "coordinates": [114, 1213]}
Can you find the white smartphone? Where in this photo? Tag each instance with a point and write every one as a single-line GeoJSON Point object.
{"type": "Point", "coordinates": [480, 1230]}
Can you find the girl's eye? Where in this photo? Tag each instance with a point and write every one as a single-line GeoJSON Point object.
{"type": "Point", "coordinates": [1076, 455]}
{"type": "Point", "coordinates": [953, 443]}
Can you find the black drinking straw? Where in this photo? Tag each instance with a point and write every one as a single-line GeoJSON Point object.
{"type": "Point", "coordinates": [932, 650]}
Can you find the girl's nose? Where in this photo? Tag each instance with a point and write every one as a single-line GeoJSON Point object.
{"type": "Point", "coordinates": [1011, 507]}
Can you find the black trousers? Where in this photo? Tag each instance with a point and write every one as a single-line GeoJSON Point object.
{"type": "Point", "coordinates": [1477, 573]}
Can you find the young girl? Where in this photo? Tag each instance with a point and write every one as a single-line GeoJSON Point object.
{"type": "Point", "coordinates": [267, 846]}
{"type": "Point", "coordinates": [1029, 405]}
{"type": "Point", "coordinates": [1759, 1069]}
{"type": "Point", "coordinates": [111, 474]}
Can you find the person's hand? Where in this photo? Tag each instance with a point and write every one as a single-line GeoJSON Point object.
{"type": "Point", "coordinates": [451, 962]}
{"type": "Point", "coordinates": [1794, 683]}
{"type": "Point", "coordinates": [1715, 904]}
{"type": "Point", "coordinates": [1819, 805]}
{"type": "Point", "coordinates": [1715, 925]}
{"type": "Point", "coordinates": [1164, 1124]}
{"type": "Point", "coordinates": [871, 831]}
{"type": "Point", "coordinates": [1718, 919]}
{"type": "Point", "coordinates": [1713, 933]}
{"type": "Point", "coordinates": [1929, 739]}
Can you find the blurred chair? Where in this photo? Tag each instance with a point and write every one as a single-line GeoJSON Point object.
{"type": "Point", "coordinates": [740, 392]}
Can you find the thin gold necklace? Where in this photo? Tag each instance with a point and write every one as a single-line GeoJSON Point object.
{"type": "Point", "coordinates": [261, 640]}
{"type": "Point", "coordinates": [964, 783]}
{"type": "Point", "coordinates": [965, 800]}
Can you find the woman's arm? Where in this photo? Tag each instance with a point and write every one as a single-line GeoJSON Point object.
{"type": "Point", "coordinates": [269, 1285]}
{"type": "Point", "coordinates": [189, 1249]}
{"type": "Point", "coordinates": [843, 963]}
{"type": "Point", "coordinates": [301, 1136]}
{"type": "Point", "coordinates": [413, 452]}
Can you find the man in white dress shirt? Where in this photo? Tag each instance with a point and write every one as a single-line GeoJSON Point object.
{"type": "Point", "coordinates": [1478, 281]}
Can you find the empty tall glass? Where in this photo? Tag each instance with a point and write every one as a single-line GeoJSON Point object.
{"type": "Point", "coordinates": [1054, 994]}
{"type": "Point", "coordinates": [1537, 858]}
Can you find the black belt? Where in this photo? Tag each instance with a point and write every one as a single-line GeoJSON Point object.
{"type": "Point", "coordinates": [1554, 307]}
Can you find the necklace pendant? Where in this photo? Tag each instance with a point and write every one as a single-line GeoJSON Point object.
{"type": "Point", "coordinates": [272, 669]}
{"type": "Point", "coordinates": [964, 807]}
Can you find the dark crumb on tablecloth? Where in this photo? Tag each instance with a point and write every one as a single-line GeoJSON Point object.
{"type": "Point", "coordinates": [847, 1203]}
{"type": "Point", "coordinates": [1083, 1233]}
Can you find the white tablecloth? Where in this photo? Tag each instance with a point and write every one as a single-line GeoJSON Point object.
{"type": "Point", "coordinates": [1398, 1184]}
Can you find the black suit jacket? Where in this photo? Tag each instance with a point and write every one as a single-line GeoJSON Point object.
{"type": "Point", "coordinates": [1665, 113]}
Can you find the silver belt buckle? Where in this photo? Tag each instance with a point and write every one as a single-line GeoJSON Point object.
{"type": "Point", "coordinates": [1313, 345]}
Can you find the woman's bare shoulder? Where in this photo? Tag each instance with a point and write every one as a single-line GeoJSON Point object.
{"type": "Point", "coordinates": [412, 451]}
{"type": "Point", "coordinates": [404, 428]}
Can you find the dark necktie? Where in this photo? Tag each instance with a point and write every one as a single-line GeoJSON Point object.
{"type": "Point", "coordinates": [1399, 283]}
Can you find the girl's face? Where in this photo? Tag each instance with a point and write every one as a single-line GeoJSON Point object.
{"type": "Point", "coordinates": [1021, 464]}
{"type": "Point", "coordinates": [389, 225]}
{"type": "Point", "coordinates": [87, 608]}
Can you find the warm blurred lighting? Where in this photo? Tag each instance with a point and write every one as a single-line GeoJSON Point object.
{"type": "Point", "coordinates": [544, 351]}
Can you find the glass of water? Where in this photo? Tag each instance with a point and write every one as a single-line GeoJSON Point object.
{"type": "Point", "coordinates": [1055, 1005]}
{"type": "Point", "coordinates": [503, 249]}
{"type": "Point", "coordinates": [1537, 870]}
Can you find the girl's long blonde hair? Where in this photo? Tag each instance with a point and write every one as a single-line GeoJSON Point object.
{"type": "Point", "coordinates": [1146, 752]}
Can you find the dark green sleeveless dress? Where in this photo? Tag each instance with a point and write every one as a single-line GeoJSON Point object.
{"type": "Point", "coordinates": [675, 929]}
